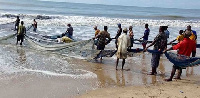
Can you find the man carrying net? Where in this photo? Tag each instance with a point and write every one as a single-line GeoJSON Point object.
{"type": "Point", "coordinates": [185, 47]}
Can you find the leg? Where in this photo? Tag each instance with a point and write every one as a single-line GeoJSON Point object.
{"type": "Point", "coordinates": [154, 63]}
{"type": "Point", "coordinates": [153, 72]}
{"type": "Point", "coordinates": [193, 53]}
{"type": "Point", "coordinates": [179, 73]}
{"type": "Point", "coordinates": [17, 39]}
{"type": "Point", "coordinates": [117, 63]}
{"type": "Point", "coordinates": [123, 62]}
{"type": "Point", "coordinates": [172, 74]}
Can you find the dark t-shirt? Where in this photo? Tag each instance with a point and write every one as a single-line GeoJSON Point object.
{"type": "Point", "coordinates": [161, 41]}
{"type": "Point", "coordinates": [17, 21]}
{"type": "Point", "coordinates": [146, 34]}
{"type": "Point", "coordinates": [70, 30]}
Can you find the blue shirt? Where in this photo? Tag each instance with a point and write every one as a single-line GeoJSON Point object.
{"type": "Point", "coordinates": [194, 32]}
{"type": "Point", "coordinates": [146, 34]}
{"type": "Point", "coordinates": [167, 33]}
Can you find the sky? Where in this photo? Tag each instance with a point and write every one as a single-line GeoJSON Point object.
{"type": "Point", "coordinates": [183, 4]}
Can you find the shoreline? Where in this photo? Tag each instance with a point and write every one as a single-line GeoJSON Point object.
{"type": "Point", "coordinates": [175, 89]}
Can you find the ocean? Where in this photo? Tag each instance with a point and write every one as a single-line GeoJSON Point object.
{"type": "Point", "coordinates": [83, 17]}
{"type": "Point", "coordinates": [52, 18]}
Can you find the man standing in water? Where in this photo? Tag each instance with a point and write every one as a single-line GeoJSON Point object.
{"type": "Point", "coordinates": [131, 36]}
{"type": "Point", "coordinates": [21, 32]}
{"type": "Point", "coordinates": [69, 31]}
{"type": "Point", "coordinates": [102, 41]}
{"type": "Point", "coordinates": [96, 33]}
{"type": "Point", "coordinates": [185, 47]}
{"type": "Point", "coordinates": [123, 43]}
{"type": "Point", "coordinates": [119, 31]}
{"type": "Point", "coordinates": [146, 35]}
{"type": "Point", "coordinates": [17, 23]}
{"type": "Point", "coordinates": [96, 30]}
{"type": "Point", "coordinates": [160, 43]}
{"type": "Point", "coordinates": [34, 25]}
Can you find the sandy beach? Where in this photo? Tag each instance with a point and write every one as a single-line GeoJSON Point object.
{"type": "Point", "coordinates": [186, 88]}
{"type": "Point", "coordinates": [43, 74]}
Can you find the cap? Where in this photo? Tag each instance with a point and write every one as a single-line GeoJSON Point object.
{"type": "Point", "coordinates": [125, 30]}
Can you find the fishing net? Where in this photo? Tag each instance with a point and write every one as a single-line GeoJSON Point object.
{"type": "Point", "coordinates": [51, 44]}
{"type": "Point", "coordinates": [7, 26]}
{"type": "Point", "coordinates": [182, 60]}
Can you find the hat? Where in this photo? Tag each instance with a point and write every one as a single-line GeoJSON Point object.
{"type": "Point", "coordinates": [187, 33]}
{"type": "Point", "coordinates": [125, 30]}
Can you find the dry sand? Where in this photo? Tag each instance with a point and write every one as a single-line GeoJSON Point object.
{"type": "Point", "coordinates": [175, 89]}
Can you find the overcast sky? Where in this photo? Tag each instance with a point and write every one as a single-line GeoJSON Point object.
{"type": "Point", "coordinates": [185, 4]}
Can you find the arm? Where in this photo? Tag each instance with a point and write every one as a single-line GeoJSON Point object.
{"type": "Point", "coordinates": [150, 45]}
{"type": "Point", "coordinates": [172, 42]}
{"type": "Point", "coordinates": [167, 49]}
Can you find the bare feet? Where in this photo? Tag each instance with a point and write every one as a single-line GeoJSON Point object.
{"type": "Point", "coordinates": [168, 80]}
{"type": "Point", "coordinates": [152, 73]}
{"type": "Point", "coordinates": [126, 69]}
{"type": "Point", "coordinates": [178, 78]}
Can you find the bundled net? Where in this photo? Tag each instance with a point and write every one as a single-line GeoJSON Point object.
{"type": "Point", "coordinates": [182, 60]}
{"type": "Point", "coordinates": [51, 44]}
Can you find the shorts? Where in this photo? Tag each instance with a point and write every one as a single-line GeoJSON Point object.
{"type": "Point", "coordinates": [177, 67]}
{"type": "Point", "coordinates": [155, 60]}
{"type": "Point", "coordinates": [20, 37]}
{"type": "Point", "coordinates": [144, 42]}
{"type": "Point", "coordinates": [132, 41]}
{"type": "Point", "coordinates": [100, 47]}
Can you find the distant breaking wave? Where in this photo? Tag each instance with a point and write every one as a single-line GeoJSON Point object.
{"type": "Point", "coordinates": [62, 20]}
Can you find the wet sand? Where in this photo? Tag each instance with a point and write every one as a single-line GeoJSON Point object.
{"type": "Point", "coordinates": [26, 72]}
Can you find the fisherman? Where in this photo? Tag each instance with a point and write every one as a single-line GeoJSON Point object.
{"type": "Point", "coordinates": [122, 43]}
{"type": "Point", "coordinates": [179, 38]}
{"type": "Point", "coordinates": [192, 37]}
{"type": "Point", "coordinates": [96, 33]}
{"type": "Point", "coordinates": [21, 33]}
{"type": "Point", "coordinates": [119, 31]}
{"type": "Point", "coordinates": [34, 25]}
{"type": "Point", "coordinates": [103, 39]}
{"type": "Point", "coordinates": [69, 31]}
{"type": "Point", "coordinates": [131, 36]}
{"type": "Point", "coordinates": [166, 31]}
{"type": "Point", "coordinates": [194, 34]}
{"type": "Point", "coordinates": [17, 23]}
{"type": "Point", "coordinates": [160, 43]}
{"type": "Point", "coordinates": [146, 35]}
{"type": "Point", "coordinates": [96, 30]}
{"type": "Point", "coordinates": [185, 47]}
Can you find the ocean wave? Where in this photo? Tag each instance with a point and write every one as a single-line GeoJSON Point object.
{"type": "Point", "coordinates": [60, 20]}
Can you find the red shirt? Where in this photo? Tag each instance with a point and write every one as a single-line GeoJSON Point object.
{"type": "Point", "coordinates": [185, 47]}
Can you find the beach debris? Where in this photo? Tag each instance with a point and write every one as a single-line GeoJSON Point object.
{"type": "Point", "coordinates": [181, 91]}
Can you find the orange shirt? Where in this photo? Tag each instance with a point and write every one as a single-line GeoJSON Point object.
{"type": "Point", "coordinates": [97, 32]}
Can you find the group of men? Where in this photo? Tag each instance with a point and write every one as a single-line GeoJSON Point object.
{"type": "Point", "coordinates": [186, 44]}
{"type": "Point", "coordinates": [21, 31]}
{"type": "Point", "coordinates": [122, 40]}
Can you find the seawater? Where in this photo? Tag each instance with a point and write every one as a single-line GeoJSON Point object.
{"type": "Point", "coordinates": [53, 17]}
